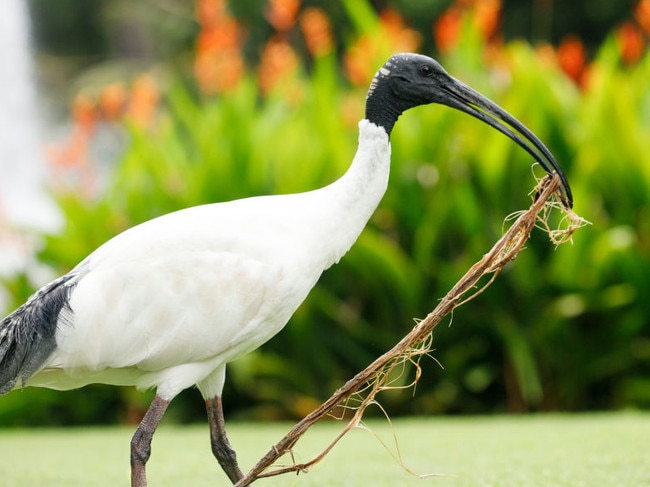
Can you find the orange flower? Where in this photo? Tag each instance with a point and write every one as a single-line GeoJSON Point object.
{"type": "Point", "coordinates": [223, 34]}
{"type": "Point", "coordinates": [642, 15]}
{"type": "Point", "coordinates": [359, 60]}
{"type": "Point", "coordinates": [144, 100]}
{"type": "Point", "coordinates": [84, 112]}
{"type": "Point", "coordinates": [487, 16]}
{"type": "Point", "coordinates": [362, 57]}
{"type": "Point", "coordinates": [401, 38]}
{"type": "Point", "coordinates": [571, 56]}
{"type": "Point", "coordinates": [218, 66]}
{"type": "Point", "coordinates": [446, 29]}
{"type": "Point", "coordinates": [73, 154]}
{"type": "Point", "coordinates": [112, 101]}
{"type": "Point", "coordinates": [630, 42]}
{"type": "Point", "coordinates": [219, 73]}
{"type": "Point", "coordinates": [209, 12]}
{"type": "Point", "coordinates": [279, 63]}
{"type": "Point", "coordinates": [282, 14]}
{"type": "Point", "coordinates": [317, 31]}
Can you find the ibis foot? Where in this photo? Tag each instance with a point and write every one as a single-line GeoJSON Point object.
{"type": "Point", "coordinates": [221, 448]}
{"type": "Point", "coordinates": [141, 441]}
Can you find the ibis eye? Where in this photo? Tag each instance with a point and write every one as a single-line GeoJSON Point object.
{"type": "Point", "coordinates": [426, 70]}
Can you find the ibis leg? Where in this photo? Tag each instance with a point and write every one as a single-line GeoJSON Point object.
{"type": "Point", "coordinates": [141, 441]}
{"type": "Point", "coordinates": [221, 448]}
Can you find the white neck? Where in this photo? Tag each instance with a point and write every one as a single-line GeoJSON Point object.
{"type": "Point", "coordinates": [349, 202]}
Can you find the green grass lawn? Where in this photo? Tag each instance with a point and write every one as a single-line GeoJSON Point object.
{"type": "Point", "coordinates": [554, 450]}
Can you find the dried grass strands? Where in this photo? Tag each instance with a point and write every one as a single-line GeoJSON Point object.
{"type": "Point", "coordinates": [375, 377]}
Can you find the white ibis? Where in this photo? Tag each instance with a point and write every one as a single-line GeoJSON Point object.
{"type": "Point", "coordinates": [169, 303]}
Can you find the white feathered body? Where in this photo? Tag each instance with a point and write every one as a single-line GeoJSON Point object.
{"type": "Point", "coordinates": [168, 303]}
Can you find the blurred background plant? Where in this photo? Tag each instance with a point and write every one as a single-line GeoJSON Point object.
{"type": "Point", "coordinates": [223, 100]}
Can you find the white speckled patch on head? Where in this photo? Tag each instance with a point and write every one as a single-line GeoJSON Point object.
{"type": "Point", "coordinates": [383, 72]}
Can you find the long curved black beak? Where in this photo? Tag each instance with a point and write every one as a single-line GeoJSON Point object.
{"type": "Point", "coordinates": [458, 95]}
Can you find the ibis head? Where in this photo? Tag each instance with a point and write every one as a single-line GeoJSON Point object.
{"type": "Point", "coordinates": [409, 80]}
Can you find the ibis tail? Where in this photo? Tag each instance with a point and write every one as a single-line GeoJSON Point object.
{"type": "Point", "coordinates": [27, 336]}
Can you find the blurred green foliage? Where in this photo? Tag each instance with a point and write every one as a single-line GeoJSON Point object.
{"type": "Point", "coordinates": [563, 328]}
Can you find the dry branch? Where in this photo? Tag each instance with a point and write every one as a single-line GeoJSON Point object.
{"type": "Point", "coordinates": [374, 378]}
